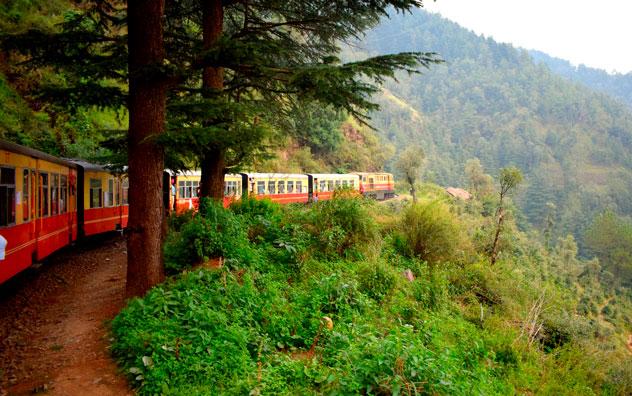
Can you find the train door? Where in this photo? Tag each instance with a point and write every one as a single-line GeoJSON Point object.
{"type": "Point", "coordinates": [43, 211]}
{"type": "Point", "coordinates": [371, 183]}
{"type": "Point", "coordinates": [72, 204]}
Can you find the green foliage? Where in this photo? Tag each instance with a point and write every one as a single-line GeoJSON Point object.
{"type": "Point", "coordinates": [480, 183]}
{"type": "Point", "coordinates": [377, 280]}
{"type": "Point", "coordinates": [509, 179]}
{"type": "Point", "coordinates": [609, 238]}
{"type": "Point", "coordinates": [256, 324]}
{"type": "Point", "coordinates": [408, 165]}
{"type": "Point", "coordinates": [432, 232]}
{"type": "Point", "coordinates": [214, 232]}
{"type": "Point", "coordinates": [342, 226]}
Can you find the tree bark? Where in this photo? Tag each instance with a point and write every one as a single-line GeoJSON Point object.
{"type": "Point", "coordinates": [212, 180]}
{"type": "Point", "coordinates": [147, 108]}
{"type": "Point", "coordinates": [413, 190]}
{"type": "Point", "coordinates": [494, 252]}
{"type": "Point", "coordinates": [212, 163]}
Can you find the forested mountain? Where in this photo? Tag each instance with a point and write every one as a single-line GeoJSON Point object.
{"type": "Point", "coordinates": [617, 84]}
{"type": "Point", "coordinates": [494, 102]}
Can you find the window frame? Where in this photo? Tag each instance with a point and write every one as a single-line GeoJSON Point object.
{"type": "Point", "coordinates": [98, 193]}
{"type": "Point", "coordinates": [11, 213]}
{"type": "Point", "coordinates": [26, 195]}
{"type": "Point", "coordinates": [44, 194]}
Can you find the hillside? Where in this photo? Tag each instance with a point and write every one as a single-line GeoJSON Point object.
{"type": "Point", "coordinates": [493, 102]}
{"type": "Point", "coordinates": [617, 84]}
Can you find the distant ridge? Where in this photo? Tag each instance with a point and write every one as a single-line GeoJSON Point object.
{"type": "Point", "coordinates": [618, 85]}
{"type": "Point", "coordinates": [498, 103]}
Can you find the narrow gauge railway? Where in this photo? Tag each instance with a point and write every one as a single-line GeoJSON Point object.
{"type": "Point", "coordinates": [47, 203]}
{"type": "Point", "coordinates": [282, 187]}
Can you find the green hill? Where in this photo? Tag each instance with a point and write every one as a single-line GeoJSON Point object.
{"type": "Point", "coordinates": [493, 102]}
{"type": "Point", "coordinates": [615, 84]}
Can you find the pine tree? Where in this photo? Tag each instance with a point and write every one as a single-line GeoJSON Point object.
{"type": "Point", "coordinates": [270, 58]}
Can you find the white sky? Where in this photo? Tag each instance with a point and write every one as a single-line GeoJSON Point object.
{"type": "Point", "coordinates": [595, 33]}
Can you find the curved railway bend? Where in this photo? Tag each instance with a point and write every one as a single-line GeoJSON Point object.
{"type": "Point", "coordinates": [53, 328]}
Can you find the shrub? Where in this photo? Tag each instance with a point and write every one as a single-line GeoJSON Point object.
{"type": "Point", "coordinates": [214, 232]}
{"type": "Point", "coordinates": [377, 280]}
{"type": "Point", "coordinates": [341, 227]}
{"type": "Point", "coordinates": [432, 232]}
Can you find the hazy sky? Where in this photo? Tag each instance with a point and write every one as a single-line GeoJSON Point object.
{"type": "Point", "coordinates": [595, 33]}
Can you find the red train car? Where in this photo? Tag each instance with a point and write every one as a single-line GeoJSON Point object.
{"type": "Point", "coordinates": [38, 206]}
{"type": "Point", "coordinates": [47, 203]}
{"type": "Point", "coordinates": [377, 185]}
{"type": "Point", "coordinates": [103, 199]}
{"type": "Point", "coordinates": [283, 188]}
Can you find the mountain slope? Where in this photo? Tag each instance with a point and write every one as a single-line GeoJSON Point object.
{"type": "Point", "coordinates": [617, 85]}
{"type": "Point", "coordinates": [494, 102]}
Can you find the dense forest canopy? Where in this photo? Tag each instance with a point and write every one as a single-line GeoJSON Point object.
{"type": "Point", "coordinates": [615, 84]}
{"type": "Point", "coordinates": [493, 102]}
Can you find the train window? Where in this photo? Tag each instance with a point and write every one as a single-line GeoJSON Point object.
{"type": "Point", "coordinates": [43, 196]}
{"type": "Point", "coordinates": [323, 186]}
{"type": "Point", "coordinates": [337, 184]}
{"type": "Point", "coordinates": [54, 194]}
{"type": "Point", "coordinates": [299, 186]}
{"type": "Point", "coordinates": [282, 187]}
{"type": "Point", "coordinates": [290, 186]}
{"type": "Point", "coordinates": [238, 192]}
{"type": "Point", "coordinates": [63, 194]}
{"type": "Point", "coordinates": [125, 191]}
{"type": "Point", "coordinates": [182, 189]}
{"type": "Point", "coordinates": [261, 187]}
{"type": "Point", "coordinates": [26, 210]}
{"type": "Point", "coordinates": [230, 188]}
{"type": "Point", "coordinates": [117, 192]}
{"type": "Point", "coordinates": [345, 183]}
{"type": "Point", "coordinates": [7, 196]}
{"type": "Point", "coordinates": [34, 191]}
{"type": "Point", "coordinates": [194, 188]}
{"type": "Point", "coordinates": [96, 193]}
{"type": "Point", "coordinates": [271, 187]}
{"type": "Point", "coordinates": [330, 185]}
{"type": "Point", "coordinates": [109, 194]}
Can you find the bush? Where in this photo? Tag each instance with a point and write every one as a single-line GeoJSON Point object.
{"type": "Point", "coordinates": [377, 280]}
{"type": "Point", "coordinates": [214, 232]}
{"type": "Point", "coordinates": [432, 232]}
{"type": "Point", "coordinates": [341, 227]}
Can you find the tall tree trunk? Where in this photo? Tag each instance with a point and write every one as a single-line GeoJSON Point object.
{"type": "Point", "coordinates": [413, 190]}
{"type": "Point", "coordinates": [147, 107]}
{"type": "Point", "coordinates": [212, 164]}
{"type": "Point", "coordinates": [213, 174]}
{"type": "Point", "coordinates": [499, 225]}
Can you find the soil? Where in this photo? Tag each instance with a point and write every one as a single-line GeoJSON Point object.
{"type": "Point", "coordinates": [53, 332]}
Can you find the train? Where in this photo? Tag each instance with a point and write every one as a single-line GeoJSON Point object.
{"type": "Point", "coordinates": [282, 187]}
{"type": "Point", "coordinates": [47, 203]}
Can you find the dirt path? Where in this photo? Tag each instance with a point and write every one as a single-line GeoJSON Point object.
{"type": "Point", "coordinates": [53, 335]}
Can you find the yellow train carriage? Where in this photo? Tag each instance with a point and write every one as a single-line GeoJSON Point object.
{"type": "Point", "coordinates": [38, 206]}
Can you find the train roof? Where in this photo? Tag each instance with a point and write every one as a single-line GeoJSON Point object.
{"type": "Point", "coordinates": [18, 149]}
{"type": "Point", "coordinates": [333, 175]}
{"type": "Point", "coordinates": [197, 172]}
{"type": "Point", "coordinates": [277, 175]}
{"type": "Point", "coordinates": [90, 166]}
{"type": "Point", "coordinates": [371, 173]}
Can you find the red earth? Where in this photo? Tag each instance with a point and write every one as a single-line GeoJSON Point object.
{"type": "Point", "coordinates": [53, 333]}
